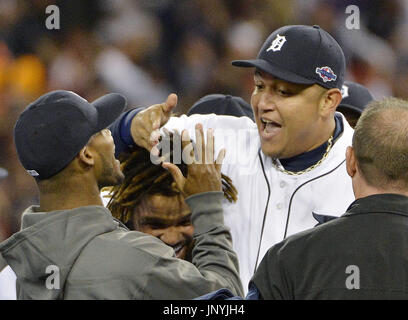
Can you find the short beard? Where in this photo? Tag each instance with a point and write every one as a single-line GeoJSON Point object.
{"type": "Point", "coordinates": [109, 177]}
{"type": "Point", "coordinates": [273, 156]}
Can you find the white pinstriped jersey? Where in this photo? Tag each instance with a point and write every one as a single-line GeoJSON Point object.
{"type": "Point", "coordinates": [269, 199]}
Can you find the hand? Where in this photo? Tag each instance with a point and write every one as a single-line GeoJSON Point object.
{"type": "Point", "coordinates": [204, 174]}
{"type": "Point", "coordinates": [146, 124]}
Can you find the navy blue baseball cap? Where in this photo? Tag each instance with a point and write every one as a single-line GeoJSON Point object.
{"type": "Point", "coordinates": [301, 54]}
{"type": "Point", "coordinates": [355, 97]}
{"type": "Point", "coordinates": [52, 130]}
{"type": "Point", "coordinates": [222, 104]}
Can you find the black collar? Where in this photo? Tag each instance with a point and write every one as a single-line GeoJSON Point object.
{"type": "Point", "coordinates": [380, 203]}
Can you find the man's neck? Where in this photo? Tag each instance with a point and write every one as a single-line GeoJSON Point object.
{"type": "Point", "coordinates": [370, 191]}
{"type": "Point", "coordinates": [324, 134]}
{"type": "Point", "coordinates": [72, 194]}
{"type": "Point", "coordinates": [306, 159]}
{"type": "Point", "coordinates": [362, 189]}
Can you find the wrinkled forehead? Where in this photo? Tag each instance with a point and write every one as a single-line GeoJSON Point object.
{"type": "Point", "coordinates": [164, 207]}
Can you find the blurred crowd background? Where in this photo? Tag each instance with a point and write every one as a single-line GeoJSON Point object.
{"type": "Point", "coordinates": [146, 49]}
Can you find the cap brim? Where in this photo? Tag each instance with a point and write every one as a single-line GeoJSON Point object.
{"type": "Point", "coordinates": [273, 70]}
{"type": "Point", "coordinates": [109, 107]}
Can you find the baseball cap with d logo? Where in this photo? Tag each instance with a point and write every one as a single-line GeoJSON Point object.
{"type": "Point", "coordinates": [51, 131]}
{"type": "Point", "coordinates": [301, 54]}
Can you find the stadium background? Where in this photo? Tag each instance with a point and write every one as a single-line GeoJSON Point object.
{"type": "Point", "coordinates": [146, 49]}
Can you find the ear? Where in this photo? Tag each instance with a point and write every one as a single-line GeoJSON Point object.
{"type": "Point", "coordinates": [351, 163]}
{"type": "Point", "coordinates": [330, 100]}
{"type": "Point", "coordinates": [86, 156]}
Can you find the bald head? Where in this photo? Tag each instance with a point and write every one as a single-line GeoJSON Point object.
{"type": "Point", "coordinates": [380, 144]}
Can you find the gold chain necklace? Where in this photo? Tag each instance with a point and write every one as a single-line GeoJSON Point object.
{"type": "Point", "coordinates": [292, 173]}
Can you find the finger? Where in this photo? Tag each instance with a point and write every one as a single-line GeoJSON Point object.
{"type": "Point", "coordinates": [187, 146]}
{"type": "Point", "coordinates": [166, 109]}
{"type": "Point", "coordinates": [155, 157]}
{"type": "Point", "coordinates": [155, 151]}
{"type": "Point", "coordinates": [200, 144]}
{"type": "Point", "coordinates": [185, 138]}
{"type": "Point", "coordinates": [220, 159]}
{"type": "Point", "coordinates": [165, 157]}
{"type": "Point", "coordinates": [170, 104]}
{"type": "Point", "coordinates": [209, 149]}
{"type": "Point", "coordinates": [175, 173]}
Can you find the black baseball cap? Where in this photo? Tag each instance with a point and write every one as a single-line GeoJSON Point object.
{"type": "Point", "coordinates": [222, 104]}
{"type": "Point", "coordinates": [301, 54]}
{"type": "Point", "coordinates": [355, 97]}
{"type": "Point", "coordinates": [51, 131]}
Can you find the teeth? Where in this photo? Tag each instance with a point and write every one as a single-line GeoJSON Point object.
{"type": "Point", "coordinates": [266, 121]}
{"type": "Point", "coordinates": [178, 247]}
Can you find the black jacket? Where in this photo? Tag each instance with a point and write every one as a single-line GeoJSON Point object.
{"type": "Point", "coordinates": [361, 255]}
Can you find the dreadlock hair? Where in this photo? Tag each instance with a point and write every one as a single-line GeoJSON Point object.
{"type": "Point", "coordinates": [143, 178]}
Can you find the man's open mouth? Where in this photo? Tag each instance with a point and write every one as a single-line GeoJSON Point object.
{"type": "Point", "coordinates": [178, 247]}
{"type": "Point", "coordinates": [269, 127]}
